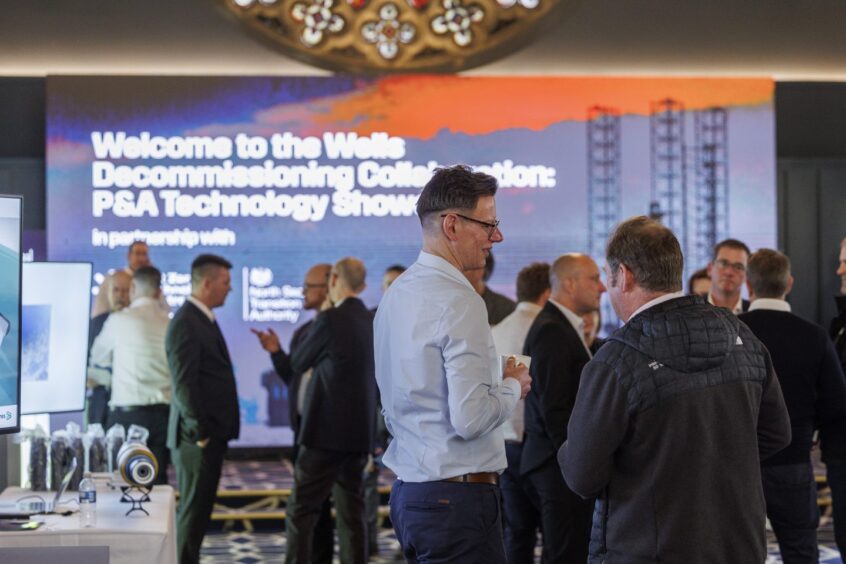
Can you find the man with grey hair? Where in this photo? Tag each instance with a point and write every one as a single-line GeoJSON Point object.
{"type": "Point", "coordinates": [443, 395]}
{"type": "Point", "coordinates": [814, 391]}
{"type": "Point", "coordinates": [131, 345]}
{"type": "Point", "coordinates": [337, 426]}
{"type": "Point", "coordinates": [672, 397]}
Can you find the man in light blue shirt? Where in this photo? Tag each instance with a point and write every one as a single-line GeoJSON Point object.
{"type": "Point", "coordinates": [443, 394]}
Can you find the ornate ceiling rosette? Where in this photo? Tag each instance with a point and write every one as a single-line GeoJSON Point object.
{"type": "Point", "coordinates": [377, 36]}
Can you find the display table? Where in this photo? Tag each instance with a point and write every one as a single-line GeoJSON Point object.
{"type": "Point", "coordinates": [136, 538]}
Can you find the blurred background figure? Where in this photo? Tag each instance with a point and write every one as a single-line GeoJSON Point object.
{"type": "Point", "coordinates": [699, 283]}
{"type": "Point", "coordinates": [100, 378]}
{"type": "Point", "coordinates": [498, 306]}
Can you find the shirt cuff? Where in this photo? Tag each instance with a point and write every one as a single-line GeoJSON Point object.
{"type": "Point", "coordinates": [514, 385]}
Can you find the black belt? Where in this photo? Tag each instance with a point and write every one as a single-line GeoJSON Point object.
{"type": "Point", "coordinates": [150, 407]}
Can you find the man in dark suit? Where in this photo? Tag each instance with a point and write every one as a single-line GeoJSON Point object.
{"type": "Point", "coordinates": [204, 413]}
{"type": "Point", "coordinates": [338, 418]}
{"type": "Point", "coordinates": [315, 293]}
{"type": "Point", "coordinates": [555, 343]}
{"type": "Point", "coordinates": [833, 437]}
{"type": "Point", "coordinates": [814, 391]}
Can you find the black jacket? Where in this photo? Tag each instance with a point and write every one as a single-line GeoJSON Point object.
{"type": "Point", "coordinates": [833, 434]}
{"type": "Point", "coordinates": [809, 375]}
{"type": "Point", "coordinates": [838, 330]}
{"type": "Point", "coordinates": [205, 399]}
{"type": "Point", "coordinates": [339, 411]}
{"type": "Point", "coordinates": [282, 366]}
{"type": "Point", "coordinates": [558, 356]}
{"type": "Point", "coordinates": [672, 419]}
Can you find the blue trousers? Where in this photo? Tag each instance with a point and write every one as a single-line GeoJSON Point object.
{"type": "Point", "coordinates": [440, 522]}
{"type": "Point", "coordinates": [791, 496]}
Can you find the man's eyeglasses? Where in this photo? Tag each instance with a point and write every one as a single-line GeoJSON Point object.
{"type": "Point", "coordinates": [491, 227]}
{"type": "Point", "coordinates": [736, 266]}
{"type": "Point", "coordinates": [307, 286]}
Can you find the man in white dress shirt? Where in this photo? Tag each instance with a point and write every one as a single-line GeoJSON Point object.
{"type": "Point", "coordinates": [132, 345]}
{"type": "Point", "coordinates": [443, 396]}
{"type": "Point", "coordinates": [521, 517]}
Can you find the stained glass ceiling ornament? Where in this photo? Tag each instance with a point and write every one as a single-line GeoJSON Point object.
{"type": "Point", "coordinates": [379, 36]}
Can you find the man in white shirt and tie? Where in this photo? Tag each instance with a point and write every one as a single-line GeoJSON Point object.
{"type": "Point", "coordinates": [443, 396]}
{"type": "Point", "coordinates": [509, 335]}
{"type": "Point", "coordinates": [132, 345]}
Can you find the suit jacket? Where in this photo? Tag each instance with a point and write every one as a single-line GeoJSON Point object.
{"type": "Point", "coordinates": [339, 412]}
{"type": "Point", "coordinates": [282, 366]}
{"type": "Point", "coordinates": [558, 356]}
{"type": "Point", "coordinates": [205, 399]}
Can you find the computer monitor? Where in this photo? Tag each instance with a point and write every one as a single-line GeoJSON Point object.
{"type": "Point", "coordinates": [11, 219]}
{"type": "Point", "coordinates": [55, 318]}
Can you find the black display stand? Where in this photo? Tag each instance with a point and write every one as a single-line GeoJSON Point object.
{"type": "Point", "coordinates": [142, 495]}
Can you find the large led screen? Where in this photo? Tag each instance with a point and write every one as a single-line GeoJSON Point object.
{"type": "Point", "coordinates": [11, 217]}
{"type": "Point", "coordinates": [54, 328]}
{"type": "Point", "coordinates": [277, 174]}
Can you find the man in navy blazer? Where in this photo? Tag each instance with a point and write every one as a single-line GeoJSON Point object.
{"type": "Point", "coordinates": [555, 343]}
{"type": "Point", "coordinates": [814, 389]}
{"type": "Point", "coordinates": [337, 425]}
{"type": "Point", "coordinates": [204, 413]}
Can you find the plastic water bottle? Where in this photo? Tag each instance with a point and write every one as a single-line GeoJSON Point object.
{"type": "Point", "coordinates": [87, 502]}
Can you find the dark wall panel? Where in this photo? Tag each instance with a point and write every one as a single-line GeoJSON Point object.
{"type": "Point", "coordinates": [22, 111]}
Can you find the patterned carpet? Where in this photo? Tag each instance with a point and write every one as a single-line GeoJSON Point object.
{"type": "Point", "coordinates": [257, 479]}
{"type": "Point", "coordinates": [269, 546]}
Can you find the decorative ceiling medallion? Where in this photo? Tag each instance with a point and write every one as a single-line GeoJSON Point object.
{"type": "Point", "coordinates": [379, 36]}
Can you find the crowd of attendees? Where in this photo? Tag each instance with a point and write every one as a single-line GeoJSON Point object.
{"type": "Point", "coordinates": [666, 441]}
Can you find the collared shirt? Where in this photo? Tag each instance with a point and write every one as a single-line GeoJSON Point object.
{"type": "Point", "coordinates": [738, 307]}
{"type": "Point", "coordinates": [132, 344]}
{"type": "Point", "coordinates": [509, 336]}
{"type": "Point", "coordinates": [576, 321]}
{"type": "Point", "coordinates": [770, 304]}
{"type": "Point", "coordinates": [202, 307]}
{"type": "Point", "coordinates": [659, 300]}
{"type": "Point", "coordinates": [438, 372]}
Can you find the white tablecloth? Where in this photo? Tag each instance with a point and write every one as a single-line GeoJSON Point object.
{"type": "Point", "coordinates": [136, 538]}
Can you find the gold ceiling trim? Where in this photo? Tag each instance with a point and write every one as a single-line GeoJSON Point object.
{"type": "Point", "coordinates": [378, 36]}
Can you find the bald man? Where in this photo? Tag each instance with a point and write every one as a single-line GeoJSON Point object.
{"type": "Point", "coordinates": [338, 418]}
{"type": "Point", "coordinates": [137, 255]}
{"type": "Point", "coordinates": [315, 294]}
{"type": "Point", "coordinates": [556, 344]}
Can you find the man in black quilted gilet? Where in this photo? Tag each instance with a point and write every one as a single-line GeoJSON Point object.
{"type": "Point", "coordinates": [672, 418]}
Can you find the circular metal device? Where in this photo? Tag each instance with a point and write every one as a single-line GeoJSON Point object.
{"type": "Point", "coordinates": [138, 465]}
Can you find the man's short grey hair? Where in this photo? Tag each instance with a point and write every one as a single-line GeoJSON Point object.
{"type": "Point", "coordinates": [768, 273]}
{"type": "Point", "coordinates": [147, 279]}
{"type": "Point", "coordinates": [650, 251]}
{"type": "Point", "coordinates": [352, 273]}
